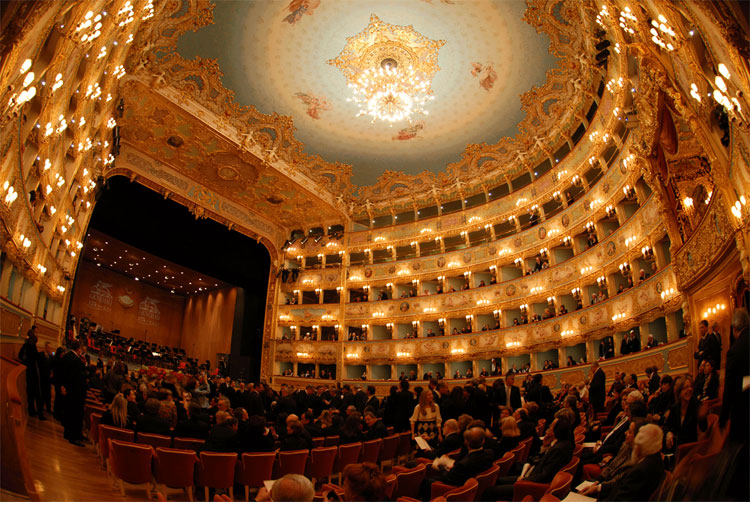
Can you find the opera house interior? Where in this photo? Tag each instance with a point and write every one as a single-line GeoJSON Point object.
{"type": "Point", "coordinates": [415, 250]}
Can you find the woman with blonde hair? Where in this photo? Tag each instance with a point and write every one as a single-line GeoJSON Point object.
{"type": "Point", "coordinates": [426, 421]}
{"type": "Point", "coordinates": [117, 415]}
{"type": "Point", "coordinates": [511, 435]}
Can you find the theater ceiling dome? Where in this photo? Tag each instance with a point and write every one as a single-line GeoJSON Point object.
{"type": "Point", "coordinates": [278, 57]}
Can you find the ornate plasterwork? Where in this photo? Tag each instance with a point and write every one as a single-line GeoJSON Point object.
{"type": "Point", "coordinates": [552, 110]}
{"type": "Point", "coordinates": [172, 136]}
{"type": "Point", "coordinates": [379, 41]}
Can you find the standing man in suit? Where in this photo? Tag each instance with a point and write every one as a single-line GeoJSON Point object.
{"type": "Point", "coordinates": [372, 401]}
{"type": "Point", "coordinates": [512, 394]}
{"type": "Point", "coordinates": [360, 399]}
{"type": "Point", "coordinates": [75, 374]}
{"type": "Point", "coordinates": [709, 346]}
{"type": "Point", "coordinates": [597, 387]}
{"type": "Point", "coordinates": [735, 406]}
{"type": "Point", "coordinates": [404, 406]}
{"type": "Point", "coordinates": [654, 380]}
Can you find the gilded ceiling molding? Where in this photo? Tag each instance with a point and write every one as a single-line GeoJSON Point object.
{"type": "Point", "coordinates": [551, 109]}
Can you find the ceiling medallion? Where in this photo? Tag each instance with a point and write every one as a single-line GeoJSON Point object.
{"type": "Point", "coordinates": [389, 69]}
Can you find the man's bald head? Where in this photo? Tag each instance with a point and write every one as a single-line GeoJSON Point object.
{"type": "Point", "coordinates": [450, 426]}
{"type": "Point", "coordinates": [292, 488]}
{"type": "Point", "coordinates": [292, 418]}
{"type": "Point", "coordinates": [474, 438]}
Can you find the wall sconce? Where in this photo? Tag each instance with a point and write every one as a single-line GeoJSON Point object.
{"type": "Point", "coordinates": [304, 355]}
{"type": "Point", "coordinates": [403, 353]}
{"type": "Point", "coordinates": [576, 293]}
{"type": "Point", "coordinates": [567, 333]}
{"type": "Point", "coordinates": [576, 180]}
{"type": "Point", "coordinates": [339, 289]}
{"type": "Point", "coordinates": [415, 282]}
{"type": "Point", "coordinates": [379, 238]}
{"type": "Point", "coordinates": [713, 311]}
{"type": "Point", "coordinates": [551, 301]}
{"type": "Point", "coordinates": [629, 241]}
{"type": "Point", "coordinates": [493, 269]}
{"type": "Point", "coordinates": [496, 314]}
{"type": "Point", "coordinates": [535, 290]}
{"type": "Point", "coordinates": [438, 238]}
{"type": "Point", "coordinates": [320, 256]}
{"type": "Point", "coordinates": [601, 281]}
{"type": "Point", "coordinates": [586, 269]}
{"type": "Point", "coordinates": [377, 315]}
{"type": "Point", "coordinates": [389, 326]}
{"type": "Point", "coordinates": [738, 205]}
{"type": "Point", "coordinates": [611, 211]}
{"type": "Point", "coordinates": [647, 252]}
{"type": "Point", "coordinates": [365, 289]}
{"type": "Point", "coordinates": [60, 289]}
{"type": "Point", "coordinates": [293, 328]}
{"type": "Point", "coordinates": [557, 196]}
{"type": "Point", "coordinates": [589, 226]}
{"type": "Point", "coordinates": [467, 274]}
{"type": "Point", "coordinates": [481, 302]}
{"type": "Point", "coordinates": [524, 309]}
{"type": "Point", "coordinates": [667, 293]}
{"type": "Point", "coordinates": [518, 262]}
{"type": "Point", "coordinates": [457, 351]}
{"type": "Point", "coordinates": [296, 292]}
{"type": "Point", "coordinates": [629, 192]}
{"type": "Point", "coordinates": [316, 327]}
{"type": "Point", "coordinates": [513, 344]}
{"type": "Point", "coordinates": [364, 327]}
{"type": "Point", "coordinates": [511, 218]}
{"type": "Point", "coordinates": [468, 319]}
{"type": "Point", "coordinates": [441, 322]}
{"type": "Point", "coordinates": [317, 291]}
{"type": "Point", "coordinates": [415, 323]}
{"type": "Point", "coordinates": [544, 252]}
{"type": "Point", "coordinates": [618, 316]}
{"type": "Point", "coordinates": [567, 241]}
{"type": "Point", "coordinates": [336, 326]}
{"type": "Point", "coordinates": [413, 244]}
{"type": "Point", "coordinates": [625, 268]}
{"type": "Point", "coordinates": [352, 355]}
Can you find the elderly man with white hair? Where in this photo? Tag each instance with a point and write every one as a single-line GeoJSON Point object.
{"type": "Point", "coordinates": [645, 474]}
{"type": "Point", "coordinates": [290, 488]}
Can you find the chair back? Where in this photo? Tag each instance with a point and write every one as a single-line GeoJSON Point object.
{"type": "Point", "coordinates": [154, 440]}
{"type": "Point", "coordinates": [518, 453]}
{"type": "Point", "coordinates": [221, 498]}
{"type": "Point", "coordinates": [505, 463]}
{"type": "Point", "coordinates": [391, 430]}
{"type": "Point", "coordinates": [193, 444]}
{"type": "Point", "coordinates": [663, 487]}
{"type": "Point", "coordinates": [560, 485]}
{"type": "Point", "coordinates": [175, 468]}
{"type": "Point", "coordinates": [404, 444]}
{"type": "Point", "coordinates": [331, 440]}
{"type": "Point", "coordinates": [111, 432]}
{"type": "Point", "coordinates": [453, 454]}
{"type": "Point", "coordinates": [130, 462]}
{"type": "Point", "coordinates": [572, 466]}
{"type": "Point", "coordinates": [578, 450]}
{"type": "Point", "coordinates": [579, 438]}
{"type": "Point", "coordinates": [408, 482]}
{"type": "Point", "coordinates": [216, 469]}
{"type": "Point", "coordinates": [579, 430]}
{"type": "Point", "coordinates": [318, 441]}
{"type": "Point", "coordinates": [256, 468]}
{"type": "Point", "coordinates": [292, 462]}
{"type": "Point", "coordinates": [545, 498]}
{"type": "Point", "coordinates": [526, 448]}
{"type": "Point", "coordinates": [487, 479]}
{"type": "Point", "coordinates": [371, 450]}
{"type": "Point", "coordinates": [95, 417]}
{"type": "Point", "coordinates": [321, 462]}
{"type": "Point", "coordinates": [391, 481]}
{"type": "Point", "coordinates": [346, 455]}
{"type": "Point", "coordinates": [465, 493]}
{"type": "Point", "coordinates": [389, 448]}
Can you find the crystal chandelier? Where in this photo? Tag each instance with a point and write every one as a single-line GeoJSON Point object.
{"type": "Point", "coordinates": [389, 69]}
{"type": "Point", "coordinates": [389, 94]}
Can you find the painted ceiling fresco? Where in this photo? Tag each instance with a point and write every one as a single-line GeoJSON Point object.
{"type": "Point", "coordinates": [274, 55]}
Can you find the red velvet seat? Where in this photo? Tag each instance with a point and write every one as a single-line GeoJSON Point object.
{"type": "Point", "coordinates": [409, 480]}
{"type": "Point", "coordinates": [578, 450]}
{"type": "Point", "coordinates": [318, 441]}
{"type": "Point", "coordinates": [131, 463]}
{"type": "Point", "coordinates": [255, 468]}
{"type": "Point", "coordinates": [110, 432]}
{"type": "Point", "coordinates": [465, 493]}
{"type": "Point", "coordinates": [404, 446]}
{"type": "Point", "coordinates": [320, 465]}
{"type": "Point", "coordinates": [347, 454]}
{"type": "Point", "coordinates": [505, 463]}
{"type": "Point", "coordinates": [571, 467]}
{"type": "Point", "coordinates": [95, 417]}
{"type": "Point", "coordinates": [331, 440]}
{"type": "Point", "coordinates": [526, 449]}
{"type": "Point", "coordinates": [388, 450]}
{"type": "Point", "coordinates": [391, 430]}
{"type": "Point", "coordinates": [216, 470]}
{"type": "Point", "coordinates": [175, 468]}
{"type": "Point", "coordinates": [391, 482]}
{"type": "Point", "coordinates": [486, 479]}
{"type": "Point", "coordinates": [222, 498]}
{"type": "Point", "coordinates": [559, 487]}
{"type": "Point", "coordinates": [193, 444]}
{"type": "Point", "coordinates": [518, 453]}
{"type": "Point", "coordinates": [371, 451]}
{"type": "Point", "coordinates": [292, 462]}
{"type": "Point", "coordinates": [154, 440]}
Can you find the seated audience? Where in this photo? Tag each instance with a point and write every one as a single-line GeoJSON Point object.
{"type": "Point", "coordinates": [193, 426]}
{"type": "Point", "coordinates": [150, 421]}
{"type": "Point", "coordinates": [223, 435]}
{"type": "Point", "coordinates": [290, 488]}
{"type": "Point", "coordinates": [363, 482]}
{"type": "Point", "coordinates": [117, 415]}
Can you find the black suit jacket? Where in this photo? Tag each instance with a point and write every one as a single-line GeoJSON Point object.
{"type": "Point", "coordinates": [654, 383]}
{"type": "Point", "coordinates": [470, 465]}
{"type": "Point", "coordinates": [404, 407]}
{"type": "Point", "coordinates": [221, 439]}
{"type": "Point", "coordinates": [378, 430]}
{"type": "Point", "coordinates": [373, 402]}
{"type": "Point", "coordinates": [148, 423]}
{"type": "Point", "coordinates": [735, 405]}
{"type": "Point", "coordinates": [192, 428]}
{"type": "Point", "coordinates": [597, 390]}
{"type": "Point", "coordinates": [450, 443]}
{"type": "Point", "coordinates": [360, 400]}
{"type": "Point", "coordinates": [552, 461]}
{"type": "Point", "coordinates": [638, 484]}
{"type": "Point", "coordinates": [614, 440]}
